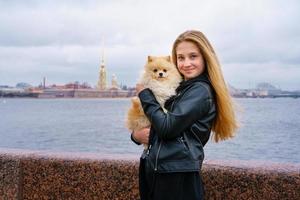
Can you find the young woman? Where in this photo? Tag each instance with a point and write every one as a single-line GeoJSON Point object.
{"type": "Point", "coordinates": [169, 168]}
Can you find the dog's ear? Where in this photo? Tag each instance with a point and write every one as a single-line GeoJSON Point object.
{"type": "Point", "coordinates": [150, 58]}
{"type": "Point", "coordinates": [168, 58]}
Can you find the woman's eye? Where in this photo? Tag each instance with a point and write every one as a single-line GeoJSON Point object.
{"type": "Point", "coordinates": [179, 58]}
{"type": "Point", "coordinates": [155, 70]}
{"type": "Point", "coordinates": [193, 56]}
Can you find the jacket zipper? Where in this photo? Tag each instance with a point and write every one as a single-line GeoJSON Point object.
{"type": "Point", "coordinates": [148, 150]}
{"type": "Point", "coordinates": [156, 159]}
{"type": "Point", "coordinates": [159, 147]}
{"type": "Point", "coordinates": [184, 141]}
{"type": "Point", "coordinates": [197, 138]}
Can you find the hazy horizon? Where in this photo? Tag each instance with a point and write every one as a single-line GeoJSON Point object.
{"type": "Point", "coordinates": [130, 86]}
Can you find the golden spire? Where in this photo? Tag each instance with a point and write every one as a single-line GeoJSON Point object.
{"type": "Point", "coordinates": [102, 73]}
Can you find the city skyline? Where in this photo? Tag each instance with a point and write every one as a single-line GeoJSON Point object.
{"type": "Point", "coordinates": [121, 85]}
{"type": "Point", "coordinates": [256, 41]}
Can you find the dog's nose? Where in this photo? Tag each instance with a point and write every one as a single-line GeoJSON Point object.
{"type": "Point", "coordinates": [161, 74]}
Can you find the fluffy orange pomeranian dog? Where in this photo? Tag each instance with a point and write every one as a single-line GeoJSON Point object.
{"type": "Point", "coordinates": [162, 77]}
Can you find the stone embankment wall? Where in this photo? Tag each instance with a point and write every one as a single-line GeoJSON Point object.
{"type": "Point", "coordinates": [47, 175]}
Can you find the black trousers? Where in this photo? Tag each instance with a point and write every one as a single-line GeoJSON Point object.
{"type": "Point", "coordinates": [169, 186]}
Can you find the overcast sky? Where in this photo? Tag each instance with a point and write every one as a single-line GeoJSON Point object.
{"type": "Point", "coordinates": [256, 40]}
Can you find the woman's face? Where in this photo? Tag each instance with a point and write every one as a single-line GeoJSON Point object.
{"type": "Point", "coordinates": [190, 62]}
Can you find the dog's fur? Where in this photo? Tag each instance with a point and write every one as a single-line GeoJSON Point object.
{"type": "Point", "coordinates": [162, 77]}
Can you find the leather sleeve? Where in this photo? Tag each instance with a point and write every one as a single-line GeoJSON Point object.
{"type": "Point", "coordinates": [193, 105]}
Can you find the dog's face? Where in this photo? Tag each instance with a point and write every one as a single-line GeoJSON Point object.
{"type": "Point", "coordinates": [158, 72]}
{"type": "Point", "coordinates": [160, 68]}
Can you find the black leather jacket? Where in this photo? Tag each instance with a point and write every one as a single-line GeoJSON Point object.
{"type": "Point", "coordinates": [178, 136]}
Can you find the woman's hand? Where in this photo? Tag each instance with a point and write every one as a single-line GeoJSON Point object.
{"type": "Point", "coordinates": [139, 88]}
{"type": "Point", "coordinates": [141, 136]}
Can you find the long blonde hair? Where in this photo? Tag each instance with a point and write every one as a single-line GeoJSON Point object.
{"type": "Point", "coordinates": [225, 123]}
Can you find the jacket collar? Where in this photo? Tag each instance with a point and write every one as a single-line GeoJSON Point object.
{"type": "Point", "coordinates": [184, 84]}
{"type": "Point", "coordinates": [202, 77]}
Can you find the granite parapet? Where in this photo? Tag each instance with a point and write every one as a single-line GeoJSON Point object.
{"type": "Point", "coordinates": [53, 175]}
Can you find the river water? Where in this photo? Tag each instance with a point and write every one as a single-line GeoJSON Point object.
{"type": "Point", "coordinates": [270, 128]}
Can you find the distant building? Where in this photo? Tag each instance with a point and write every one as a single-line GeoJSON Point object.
{"type": "Point", "coordinates": [23, 85]}
{"type": "Point", "coordinates": [266, 89]}
{"type": "Point", "coordinates": [102, 75]}
{"type": "Point", "coordinates": [251, 94]}
{"type": "Point", "coordinates": [262, 93]}
{"type": "Point", "coordinates": [18, 92]}
{"type": "Point", "coordinates": [233, 91]}
{"type": "Point", "coordinates": [44, 83]}
{"type": "Point", "coordinates": [84, 93]}
{"type": "Point", "coordinates": [4, 86]}
{"type": "Point", "coordinates": [114, 82]}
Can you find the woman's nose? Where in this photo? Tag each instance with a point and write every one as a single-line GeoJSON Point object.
{"type": "Point", "coordinates": [186, 63]}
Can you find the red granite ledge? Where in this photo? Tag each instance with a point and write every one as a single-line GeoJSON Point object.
{"type": "Point", "coordinates": [242, 164]}
{"type": "Point", "coordinates": [9, 178]}
{"type": "Point", "coordinates": [44, 154]}
{"type": "Point", "coordinates": [68, 175]}
{"type": "Point", "coordinates": [256, 165]}
{"type": "Point", "coordinates": [234, 179]}
{"type": "Point", "coordinates": [61, 175]}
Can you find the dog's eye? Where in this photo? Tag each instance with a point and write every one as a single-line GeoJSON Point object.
{"type": "Point", "coordinates": [155, 70]}
{"type": "Point", "coordinates": [165, 70]}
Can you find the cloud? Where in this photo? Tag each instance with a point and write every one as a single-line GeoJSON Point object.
{"type": "Point", "coordinates": [45, 37]}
